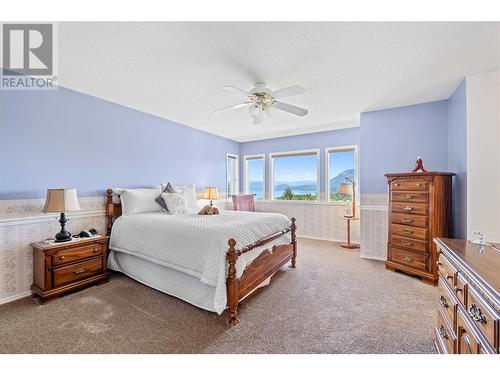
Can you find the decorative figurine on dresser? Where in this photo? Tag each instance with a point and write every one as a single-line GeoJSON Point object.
{"type": "Point", "coordinates": [419, 210]}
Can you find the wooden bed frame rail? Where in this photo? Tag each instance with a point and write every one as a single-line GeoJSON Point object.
{"type": "Point", "coordinates": [261, 268]}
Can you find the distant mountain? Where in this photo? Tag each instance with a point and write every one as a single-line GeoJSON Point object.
{"type": "Point", "coordinates": [335, 181]}
{"type": "Point", "coordinates": [296, 186]}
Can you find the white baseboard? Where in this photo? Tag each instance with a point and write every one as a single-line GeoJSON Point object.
{"type": "Point", "coordinates": [323, 239]}
{"type": "Point", "coordinates": [373, 258]}
{"type": "Point", "coordinates": [14, 297]}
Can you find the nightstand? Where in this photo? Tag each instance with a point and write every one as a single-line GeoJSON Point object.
{"type": "Point", "coordinates": [64, 267]}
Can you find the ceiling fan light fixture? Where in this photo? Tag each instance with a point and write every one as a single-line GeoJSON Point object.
{"type": "Point", "coordinates": [255, 110]}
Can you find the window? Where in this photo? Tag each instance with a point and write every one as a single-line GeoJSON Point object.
{"type": "Point", "coordinates": [341, 162]}
{"type": "Point", "coordinates": [295, 175]}
{"type": "Point", "coordinates": [232, 174]}
{"type": "Point", "coordinates": [254, 175]}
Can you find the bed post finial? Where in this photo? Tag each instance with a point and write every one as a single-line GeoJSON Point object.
{"type": "Point", "coordinates": [109, 210]}
{"type": "Point", "coordinates": [232, 283]}
{"type": "Point", "coordinates": [293, 229]}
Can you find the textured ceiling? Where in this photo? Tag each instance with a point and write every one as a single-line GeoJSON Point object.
{"type": "Point", "coordinates": [175, 70]}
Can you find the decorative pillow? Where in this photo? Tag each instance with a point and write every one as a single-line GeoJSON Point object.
{"type": "Point", "coordinates": [176, 203]}
{"type": "Point", "coordinates": [137, 201]}
{"type": "Point", "coordinates": [164, 189]}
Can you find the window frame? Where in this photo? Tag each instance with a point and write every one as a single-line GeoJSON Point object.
{"type": "Point", "coordinates": [314, 151]}
{"type": "Point", "coordinates": [246, 158]}
{"type": "Point", "coordinates": [237, 171]}
{"type": "Point", "coordinates": [328, 150]}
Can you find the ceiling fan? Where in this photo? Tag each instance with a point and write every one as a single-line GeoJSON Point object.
{"type": "Point", "coordinates": [262, 101]}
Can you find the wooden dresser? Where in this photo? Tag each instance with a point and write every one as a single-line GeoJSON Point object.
{"type": "Point", "coordinates": [419, 210]}
{"type": "Point", "coordinates": [468, 316]}
{"type": "Point", "coordinates": [63, 267]}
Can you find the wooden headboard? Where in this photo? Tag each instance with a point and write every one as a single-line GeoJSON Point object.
{"type": "Point", "coordinates": [113, 210]}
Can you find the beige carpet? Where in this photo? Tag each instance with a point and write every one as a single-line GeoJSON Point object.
{"type": "Point", "coordinates": [333, 302]}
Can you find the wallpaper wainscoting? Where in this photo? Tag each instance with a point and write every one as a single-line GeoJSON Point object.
{"type": "Point", "coordinates": [374, 226]}
{"type": "Point", "coordinates": [315, 220]}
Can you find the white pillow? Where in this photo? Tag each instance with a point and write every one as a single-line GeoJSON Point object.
{"type": "Point", "coordinates": [189, 194]}
{"type": "Point", "coordinates": [176, 203]}
{"type": "Point", "coordinates": [137, 201]}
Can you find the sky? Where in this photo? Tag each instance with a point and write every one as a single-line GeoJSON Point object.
{"type": "Point", "coordinates": [300, 168]}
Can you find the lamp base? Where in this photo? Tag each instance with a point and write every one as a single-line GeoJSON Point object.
{"type": "Point", "coordinates": [349, 246]}
{"type": "Point", "coordinates": [63, 235]}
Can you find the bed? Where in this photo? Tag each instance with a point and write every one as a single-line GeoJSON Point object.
{"type": "Point", "coordinates": [196, 257]}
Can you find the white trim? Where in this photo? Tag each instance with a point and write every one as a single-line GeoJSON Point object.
{"type": "Point", "coordinates": [49, 217]}
{"type": "Point", "coordinates": [245, 172]}
{"type": "Point", "coordinates": [356, 168]}
{"type": "Point", "coordinates": [374, 208]}
{"type": "Point", "coordinates": [373, 257]}
{"type": "Point", "coordinates": [296, 201]}
{"type": "Point", "coordinates": [272, 155]}
{"type": "Point", "coordinates": [15, 297]}
{"type": "Point", "coordinates": [237, 169]}
{"type": "Point", "coordinates": [324, 239]}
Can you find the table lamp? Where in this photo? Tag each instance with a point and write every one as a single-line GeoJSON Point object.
{"type": "Point", "coordinates": [62, 201]}
{"type": "Point", "coordinates": [349, 188]}
{"type": "Point", "coordinates": [210, 193]}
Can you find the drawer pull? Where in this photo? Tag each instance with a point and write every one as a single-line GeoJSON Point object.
{"type": "Point", "coordinates": [419, 184]}
{"type": "Point", "coordinates": [443, 302]}
{"type": "Point", "coordinates": [61, 257]}
{"type": "Point", "coordinates": [96, 250]}
{"type": "Point", "coordinates": [475, 314]}
{"type": "Point", "coordinates": [407, 220]}
{"type": "Point", "coordinates": [407, 231]}
{"type": "Point", "coordinates": [396, 184]}
{"type": "Point", "coordinates": [406, 243]}
{"type": "Point", "coordinates": [448, 277]}
{"type": "Point", "coordinates": [407, 196]}
{"type": "Point", "coordinates": [457, 289]}
{"type": "Point", "coordinates": [406, 258]}
{"type": "Point", "coordinates": [407, 208]}
{"type": "Point", "coordinates": [79, 271]}
{"type": "Point", "coordinates": [443, 333]}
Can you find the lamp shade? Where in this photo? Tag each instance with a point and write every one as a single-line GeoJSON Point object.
{"type": "Point", "coordinates": [210, 193]}
{"type": "Point", "coordinates": [345, 188]}
{"type": "Point", "coordinates": [61, 200]}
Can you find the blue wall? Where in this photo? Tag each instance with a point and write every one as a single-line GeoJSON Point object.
{"type": "Point", "coordinates": [64, 138]}
{"type": "Point", "coordinates": [392, 139]}
{"type": "Point", "coordinates": [457, 158]}
{"type": "Point", "coordinates": [319, 140]}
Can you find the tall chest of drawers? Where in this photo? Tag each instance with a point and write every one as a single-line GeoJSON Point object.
{"type": "Point", "coordinates": [419, 210]}
{"type": "Point", "coordinates": [468, 305]}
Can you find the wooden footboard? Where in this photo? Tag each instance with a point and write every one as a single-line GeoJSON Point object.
{"type": "Point", "coordinates": [262, 267]}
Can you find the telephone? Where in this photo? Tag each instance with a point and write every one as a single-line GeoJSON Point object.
{"type": "Point", "coordinates": [87, 233]}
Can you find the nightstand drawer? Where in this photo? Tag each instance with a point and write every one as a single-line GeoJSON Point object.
{"type": "Point", "coordinates": [81, 253]}
{"type": "Point", "coordinates": [74, 272]}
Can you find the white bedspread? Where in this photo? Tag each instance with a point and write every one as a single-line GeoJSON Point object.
{"type": "Point", "coordinates": [197, 244]}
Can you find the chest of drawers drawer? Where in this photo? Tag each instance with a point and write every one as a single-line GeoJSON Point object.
{"type": "Point", "coordinates": [408, 196]}
{"type": "Point", "coordinates": [447, 302]}
{"type": "Point", "coordinates": [409, 219]}
{"type": "Point", "coordinates": [409, 231]}
{"type": "Point", "coordinates": [445, 335]}
{"type": "Point", "coordinates": [410, 208]}
{"type": "Point", "coordinates": [409, 184]}
{"type": "Point", "coordinates": [409, 243]}
{"type": "Point", "coordinates": [408, 258]}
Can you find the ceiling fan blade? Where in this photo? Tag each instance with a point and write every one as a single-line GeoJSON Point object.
{"type": "Point", "coordinates": [291, 108]}
{"type": "Point", "coordinates": [288, 91]}
{"type": "Point", "coordinates": [232, 88]}
{"type": "Point", "coordinates": [231, 107]}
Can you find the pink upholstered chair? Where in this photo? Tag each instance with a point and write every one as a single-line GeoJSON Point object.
{"type": "Point", "coordinates": [243, 202]}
